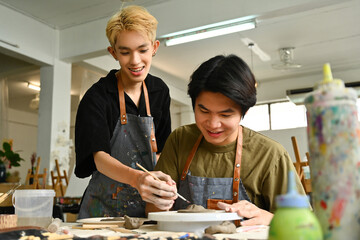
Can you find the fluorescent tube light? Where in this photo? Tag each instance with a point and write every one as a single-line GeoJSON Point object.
{"type": "Point", "coordinates": [33, 86]}
{"type": "Point", "coordinates": [208, 31]}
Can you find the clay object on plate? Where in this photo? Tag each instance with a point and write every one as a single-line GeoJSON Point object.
{"type": "Point", "coordinates": [133, 223]}
{"type": "Point", "coordinates": [224, 227]}
{"type": "Point", "coordinates": [112, 219]}
{"type": "Point", "coordinates": [193, 208]}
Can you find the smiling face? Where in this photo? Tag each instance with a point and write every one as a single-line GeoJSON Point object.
{"type": "Point", "coordinates": [134, 52]}
{"type": "Point", "coordinates": [217, 117]}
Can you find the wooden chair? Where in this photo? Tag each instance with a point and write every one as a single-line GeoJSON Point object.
{"type": "Point", "coordinates": [57, 181]}
{"type": "Point", "coordinates": [299, 166]}
{"type": "Point", "coordinates": [36, 177]}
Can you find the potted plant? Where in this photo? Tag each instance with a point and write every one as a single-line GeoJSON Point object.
{"type": "Point", "coordinates": [8, 158]}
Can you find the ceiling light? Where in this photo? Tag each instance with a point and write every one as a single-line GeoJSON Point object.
{"type": "Point", "coordinates": [208, 31]}
{"type": "Point", "coordinates": [33, 86]}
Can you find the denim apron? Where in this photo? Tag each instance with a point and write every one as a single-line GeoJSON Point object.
{"type": "Point", "coordinates": [208, 191]}
{"type": "Point", "coordinates": [133, 141]}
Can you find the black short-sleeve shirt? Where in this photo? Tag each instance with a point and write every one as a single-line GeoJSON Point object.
{"type": "Point", "coordinates": [99, 111]}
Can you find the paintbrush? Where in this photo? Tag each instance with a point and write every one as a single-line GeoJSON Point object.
{"type": "Point", "coordinates": [156, 178]}
{"type": "Point", "coordinates": [6, 195]}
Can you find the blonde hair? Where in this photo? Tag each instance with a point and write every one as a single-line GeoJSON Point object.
{"type": "Point", "coordinates": [131, 18]}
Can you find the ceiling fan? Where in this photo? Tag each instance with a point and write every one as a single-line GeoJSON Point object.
{"type": "Point", "coordinates": [286, 60]}
{"type": "Point", "coordinates": [256, 49]}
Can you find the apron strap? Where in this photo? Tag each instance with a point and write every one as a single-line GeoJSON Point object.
{"type": "Point", "coordinates": [123, 118]}
{"type": "Point", "coordinates": [190, 157]}
{"type": "Point", "coordinates": [152, 135]}
{"type": "Point", "coordinates": [237, 166]}
{"type": "Point", "coordinates": [147, 104]}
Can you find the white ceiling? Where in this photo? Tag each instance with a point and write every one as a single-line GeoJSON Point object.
{"type": "Point", "coordinates": [320, 31]}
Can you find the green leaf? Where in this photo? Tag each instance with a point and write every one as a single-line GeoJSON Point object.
{"type": "Point", "coordinates": [15, 164]}
{"type": "Point", "coordinates": [12, 157]}
{"type": "Point", "coordinates": [9, 155]}
{"type": "Point", "coordinates": [7, 147]}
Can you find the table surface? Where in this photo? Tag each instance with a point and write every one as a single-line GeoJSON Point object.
{"type": "Point", "coordinates": [114, 232]}
{"type": "Point", "coordinates": [145, 231]}
{"type": "Point", "coordinates": [150, 231]}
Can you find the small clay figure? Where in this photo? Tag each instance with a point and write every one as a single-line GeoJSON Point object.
{"type": "Point", "coordinates": [193, 208]}
{"type": "Point", "coordinates": [132, 222]}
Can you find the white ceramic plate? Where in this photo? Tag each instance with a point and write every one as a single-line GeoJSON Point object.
{"type": "Point", "coordinates": [190, 222]}
{"type": "Point", "coordinates": [101, 220]}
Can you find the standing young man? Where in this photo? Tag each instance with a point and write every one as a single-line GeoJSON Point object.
{"type": "Point", "coordinates": [124, 119]}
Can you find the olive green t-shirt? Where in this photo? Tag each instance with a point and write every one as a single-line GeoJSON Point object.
{"type": "Point", "coordinates": [264, 165]}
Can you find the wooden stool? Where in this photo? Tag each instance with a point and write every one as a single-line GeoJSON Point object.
{"type": "Point", "coordinates": [299, 167]}
{"type": "Point", "coordinates": [36, 176]}
{"type": "Point", "coordinates": [57, 180]}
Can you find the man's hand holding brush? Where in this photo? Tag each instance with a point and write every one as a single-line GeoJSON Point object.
{"type": "Point", "coordinates": [157, 188]}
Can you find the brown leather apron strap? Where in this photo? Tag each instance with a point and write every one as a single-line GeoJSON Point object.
{"type": "Point", "coordinates": [123, 119]}
{"type": "Point", "coordinates": [190, 157]}
{"type": "Point", "coordinates": [237, 166]}
{"type": "Point", "coordinates": [237, 169]}
{"type": "Point", "coordinates": [146, 95]}
{"type": "Point", "coordinates": [152, 136]}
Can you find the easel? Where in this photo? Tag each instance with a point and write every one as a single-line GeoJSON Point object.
{"type": "Point", "coordinates": [36, 176]}
{"type": "Point", "coordinates": [299, 166]}
{"type": "Point", "coordinates": [57, 180]}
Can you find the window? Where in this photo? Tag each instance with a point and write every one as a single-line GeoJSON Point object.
{"type": "Point", "coordinates": [257, 118]}
{"type": "Point", "coordinates": [279, 115]}
{"type": "Point", "coordinates": [287, 115]}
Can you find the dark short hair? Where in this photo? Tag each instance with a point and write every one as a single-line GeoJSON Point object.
{"type": "Point", "coordinates": [228, 75]}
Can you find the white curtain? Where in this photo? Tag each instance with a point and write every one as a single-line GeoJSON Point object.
{"type": "Point", "coordinates": [4, 106]}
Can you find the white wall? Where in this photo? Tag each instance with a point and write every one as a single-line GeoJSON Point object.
{"type": "Point", "coordinates": [35, 41]}
{"type": "Point", "coordinates": [23, 131]}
